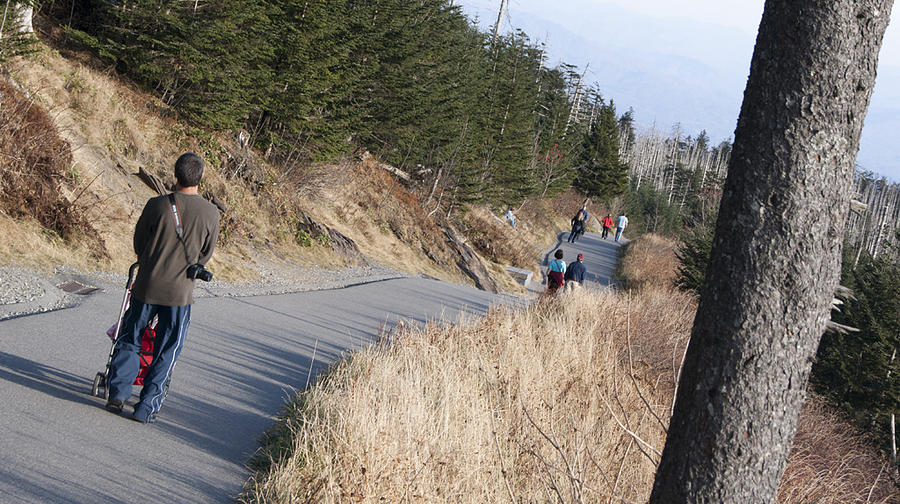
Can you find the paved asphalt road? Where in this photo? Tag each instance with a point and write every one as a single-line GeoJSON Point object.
{"type": "Point", "coordinates": [599, 257]}
{"type": "Point", "coordinates": [243, 358]}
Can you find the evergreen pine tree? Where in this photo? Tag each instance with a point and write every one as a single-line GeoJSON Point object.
{"type": "Point", "coordinates": [306, 111]}
{"type": "Point", "coordinates": [860, 371]}
{"type": "Point", "coordinates": [601, 172]}
{"type": "Point", "coordinates": [511, 120]}
{"type": "Point", "coordinates": [552, 152]}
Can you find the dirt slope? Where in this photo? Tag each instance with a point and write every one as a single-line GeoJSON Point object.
{"type": "Point", "coordinates": [115, 130]}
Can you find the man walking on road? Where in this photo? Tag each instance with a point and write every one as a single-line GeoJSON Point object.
{"type": "Point", "coordinates": [579, 222]}
{"type": "Point", "coordinates": [575, 274]}
{"type": "Point", "coordinates": [607, 225]}
{"type": "Point", "coordinates": [621, 224]}
{"type": "Point", "coordinates": [174, 238]}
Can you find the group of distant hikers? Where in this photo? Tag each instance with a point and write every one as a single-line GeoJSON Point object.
{"type": "Point", "coordinates": [559, 275]}
{"type": "Point", "coordinates": [571, 277]}
{"type": "Point", "coordinates": [580, 221]}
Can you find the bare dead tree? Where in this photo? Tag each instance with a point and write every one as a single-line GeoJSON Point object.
{"type": "Point", "coordinates": [577, 95]}
{"type": "Point", "coordinates": [776, 254]}
{"type": "Point", "coordinates": [503, 5]}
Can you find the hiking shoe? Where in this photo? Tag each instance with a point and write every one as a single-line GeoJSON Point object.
{"type": "Point", "coordinates": [142, 414]}
{"type": "Point", "coordinates": [115, 406]}
{"type": "Point", "coordinates": [150, 419]}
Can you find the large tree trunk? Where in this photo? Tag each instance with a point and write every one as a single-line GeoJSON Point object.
{"type": "Point", "coordinates": [776, 256]}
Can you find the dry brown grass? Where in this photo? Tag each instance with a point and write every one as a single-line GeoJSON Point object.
{"type": "Point", "coordinates": [387, 222]}
{"type": "Point", "coordinates": [531, 406]}
{"type": "Point", "coordinates": [36, 166]}
{"type": "Point", "coordinates": [831, 463]}
{"type": "Point", "coordinates": [27, 243]}
{"type": "Point", "coordinates": [497, 240]}
{"type": "Point", "coordinates": [649, 260]}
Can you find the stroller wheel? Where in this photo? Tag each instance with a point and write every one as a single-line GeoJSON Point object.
{"type": "Point", "coordinates": [98, 382]}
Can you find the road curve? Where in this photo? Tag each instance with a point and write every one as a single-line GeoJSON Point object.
{"type": "Point", "coordinates": [599, 256]}
{"type": "Point", "coordinates": [243, 359]}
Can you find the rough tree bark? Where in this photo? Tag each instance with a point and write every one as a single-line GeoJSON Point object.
{"type": "Point", "coordinates": [776, 255]}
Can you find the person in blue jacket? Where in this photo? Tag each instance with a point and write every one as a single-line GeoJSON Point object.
{"type": "Point", "coordinates": [574, 276]}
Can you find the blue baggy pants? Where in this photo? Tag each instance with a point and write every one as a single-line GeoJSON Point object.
{"type": "Point", "coordinates": [575, 233]}
{"type": "Point", "coordinates": [125, 364]}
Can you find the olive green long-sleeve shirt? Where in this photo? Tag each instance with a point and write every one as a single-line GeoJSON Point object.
{"type": "Point", "coordinates": [162, 277]}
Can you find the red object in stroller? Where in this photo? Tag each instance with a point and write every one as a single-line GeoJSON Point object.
{"type": "Point", "coordinates": [99, 387]}
{"type": "Point", "coordinates": [146, 354]}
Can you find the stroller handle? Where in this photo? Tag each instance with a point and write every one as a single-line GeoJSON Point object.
{"type": "Point", "coordinates": [131, 273]}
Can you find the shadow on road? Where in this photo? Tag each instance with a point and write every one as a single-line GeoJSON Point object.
{"type": "Point", "coordinates": [44, 379]}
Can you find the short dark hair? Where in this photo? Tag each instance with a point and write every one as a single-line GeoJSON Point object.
{"type": "Point", "coordinates": [188, 170]}
{"type": "Point", "coordinates": [558, 254]}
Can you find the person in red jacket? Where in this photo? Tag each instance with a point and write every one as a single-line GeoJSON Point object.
{"type": "Point", "coordinates": [607, 225]}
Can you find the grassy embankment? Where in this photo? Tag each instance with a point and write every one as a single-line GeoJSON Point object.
{"type": "Point", "coordinates": [566, 401]}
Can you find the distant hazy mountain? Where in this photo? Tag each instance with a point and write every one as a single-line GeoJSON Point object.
{"type": "Point", "coordinates": [674, 70]}
{"type": "Point", "coordinates": [879, 150]}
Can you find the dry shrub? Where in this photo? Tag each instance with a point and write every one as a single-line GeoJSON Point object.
{"type": "Point", "coordinates": [385, 219]}
{"type": "Point", "coordinates": [115, 128]}
{"type": "Point", "coordinates": [529, 406]}
{"type": "Point", "coordinates": [497, 240]}
{"type": "Point", "coordinates": [35, 163]}
{"type": "Point", "coordinates": [547, 216]}
{"type": "Point", "coordinates": [649, 260]}
{"type": "Point", "coordinates": [567, 204]}
{"type": "Point", "coordinates": [830, 463]}
{"type": "Point", "coordinates": [391, 206]}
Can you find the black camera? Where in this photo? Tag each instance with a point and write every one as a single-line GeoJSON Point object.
{"type": "Point", "coordinates": [199, 272]}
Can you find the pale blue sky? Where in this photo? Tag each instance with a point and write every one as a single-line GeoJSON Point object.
{"type": "Point", "coordinates": [741, 14]}
{"type": "Point", "coordinates": [683, 61]}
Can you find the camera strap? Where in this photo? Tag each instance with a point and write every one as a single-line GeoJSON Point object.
{"type": "Point", "coordinates": [179, 230]}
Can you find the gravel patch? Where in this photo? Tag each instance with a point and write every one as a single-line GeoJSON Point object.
{"type": "Point", "coordinates": [17, 286]}
{"type": "Point", "coordinates": [24, 291]}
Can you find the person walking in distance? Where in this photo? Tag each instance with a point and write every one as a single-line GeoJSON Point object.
{"type": "Point", "coordinates": [579, 221]}
{"type": "Point", "coordinates": [174, 238]}
{"type": "Point", "coordinates": [575, 274]}
{"type": "Point", "coordinates": [621, 224]}
{"type": "Point", "coordinates": [556, 272]}
{"type": "Point", "coordinates": [607, 225]}
{"type": "Point", "coordinates": [510, 217]}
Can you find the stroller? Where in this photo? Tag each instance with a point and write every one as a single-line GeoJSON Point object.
{"type": "Point", "coordinates": [99, 388]}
